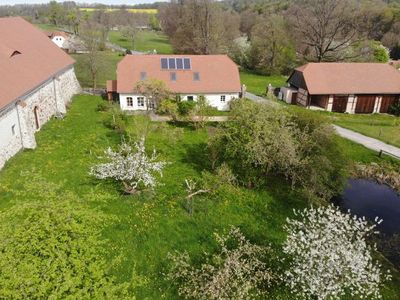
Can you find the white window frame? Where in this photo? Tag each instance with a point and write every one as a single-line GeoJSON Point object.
{"type": "Point", "coordinates": [222, 98]}
{"type": "Point", "coordinates": [129, 101]}
{"type": "Point", "coordinates": [140, 101]}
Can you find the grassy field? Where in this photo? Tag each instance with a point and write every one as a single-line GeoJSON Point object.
{"type": "Point", "coordinates": [145, 41]}
{"type": "Point", "coordinates": [380, 126]}
{"type": "Point", "coordinates": [108, 66]}
{"type": "Point", "coordinates": [150, 225]}
{"type": "Point", "coordinates": [47, 27]}
{"type": "Point", "coordinates": [257, 84]}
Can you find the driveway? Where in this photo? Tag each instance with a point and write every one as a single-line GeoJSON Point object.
{"type": "Point", "coordinates": [259, 99]}
{"type": "Point", "coordinates": [368, 142]}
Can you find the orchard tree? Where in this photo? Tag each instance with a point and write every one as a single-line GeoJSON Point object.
{"type": "Point", "coordinates": [330, 257]}
{"type": "Point", "coordinates": [154, 90]}
{"type": "Point", "coordinates": [133, 167]}
{"type": "Point", "coordinates": [237, 271]}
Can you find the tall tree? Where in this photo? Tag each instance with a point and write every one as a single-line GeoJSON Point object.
{"type": "Point", "coordinates": [272, 49]}
{"type": "Point", "coordinates": [199, 26]}
{"type": "Point", "coordinates": [325, 29]}
{"type": "Point", "coordinates": [91, 35]}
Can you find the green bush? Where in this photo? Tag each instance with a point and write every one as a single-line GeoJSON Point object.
{"type": "Point", "coordinates": [104, 106]}
{"type": "Point", "coordinates": [262, 141]}
{"type": "Point", "coordinates": [168, 107]}
{"type": "Point", "coordinates": [395, 109]}
{"type": "Point", "coordinates": [185, 107]}
{"type": "Point", "coordinates": [51, 248]}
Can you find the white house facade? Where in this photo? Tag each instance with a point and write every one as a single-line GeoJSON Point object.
{"type": "Point", "coordinates": [214, 77]}
{"type": "Point", "coordinates": [29, 99]}
{"type": "Point", "coordinates": [58, 40]}
{"type": "Point", "coordinates": [139, 102]}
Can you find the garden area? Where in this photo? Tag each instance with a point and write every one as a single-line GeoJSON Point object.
{"type": "Point", "coordinates": [59, 221]}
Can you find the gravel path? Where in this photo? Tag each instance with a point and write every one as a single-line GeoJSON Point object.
{"type": "Point", "coordinates": [368, 142]}
{"type": "Point", "coordinates": [259, 99]}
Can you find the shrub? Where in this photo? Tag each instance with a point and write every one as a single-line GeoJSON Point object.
{"type": "Point", "coordinates": [262, 141]}
{"type": "Point", "coordinates": [237, 271]}
{"type": "Point", "coordinates": [168, 107]}
{"type": "Point", "coordinates": [104, 106]}
{"type": "Point", "coordinates": [51, 248]}
{"type": "Point", "coordinates": [185, 107]}
{"type": "Point", "coordinates": [329, 255]}
{"type": "Point", "coordinates": [395, 109]}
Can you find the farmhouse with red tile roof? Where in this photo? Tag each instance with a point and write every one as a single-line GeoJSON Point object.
{"type": "Point", "coordinates": [344, 87]}
{"type": "Point", "coordinates": [216, 77]}
{"type": "Point", "coordinates": [37, 81]}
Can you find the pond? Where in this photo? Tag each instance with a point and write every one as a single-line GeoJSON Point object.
{"type": "Point", "coordinates": [370, 199]}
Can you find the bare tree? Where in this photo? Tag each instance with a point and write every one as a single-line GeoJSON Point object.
{"type": "Point", "coordinates": [324, 28]}
{"type": "Point", "coordinates": [199, 26]}
{"type": "Point", "coordinates": [91, 35]}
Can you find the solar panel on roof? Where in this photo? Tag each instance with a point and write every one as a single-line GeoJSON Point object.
{"type": "Point", "coordinates": [171, 63]}
{"type": "Point", "coordinates": [186, 63]}
{"type": "Point", "coordinates": [179, 63]}
{"type": "Point", "coordinates": [164, 63]}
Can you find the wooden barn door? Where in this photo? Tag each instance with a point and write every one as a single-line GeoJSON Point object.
{"type": "Point", "coordinates": [365, 104]}
{"type": "Point", "coordinates": [387, 101]}
{"type": "Point", "coordinates": [339, 103]}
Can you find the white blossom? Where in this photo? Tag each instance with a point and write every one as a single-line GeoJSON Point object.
{"type": "Point", "coordinates": [133, 167]}
{"type": "Point", "coordinates": [235, 272]}
{"type": "Point", "coordinates": [330, 256]}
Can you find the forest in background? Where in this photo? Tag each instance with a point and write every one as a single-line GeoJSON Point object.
{"type": "Point", "coordinates": [266, 36]}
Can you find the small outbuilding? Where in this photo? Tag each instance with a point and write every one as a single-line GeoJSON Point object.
{"type": "Point", "coordinates": [344, 87]}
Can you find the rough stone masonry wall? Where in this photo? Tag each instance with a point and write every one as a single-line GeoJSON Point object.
{"type": "Point", "coordinates": [50, 99]}
{"type": "Point", "coordinates": [11, 144]}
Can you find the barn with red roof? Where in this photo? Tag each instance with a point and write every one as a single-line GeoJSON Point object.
{"type": "Point", "coordinates": [37, 81]}
{"type": "Point", "coordinates": [344, 87]}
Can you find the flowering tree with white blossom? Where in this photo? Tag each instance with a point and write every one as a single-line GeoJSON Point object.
{"type": "Point", "coordinates": [329, 255]}
{"type": "Point", "coordinates": [133, 167]}
{"type": "Point", "coordinates": [237, 271]}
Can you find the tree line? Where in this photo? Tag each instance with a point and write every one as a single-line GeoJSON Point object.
{"type": "Point", "coordinates": [273, 36]}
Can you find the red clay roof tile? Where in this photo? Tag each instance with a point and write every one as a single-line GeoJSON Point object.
{"type": "Point", "coordinates": [350, 78]}
{"type": "Point", "coordinates": [38, 61]}
{"type": "Point", "coordinates": [218, 73]}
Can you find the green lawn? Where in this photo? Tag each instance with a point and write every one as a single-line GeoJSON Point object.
{"type": "Point", "coordinates": [148, 226]}
{"type": "Point", "coordinates": [107, 70]}
{"type": "Point", "coordinates": [380, 126]}
{"type": "Point", "coordinates": [145, 41]}
{"type": "Point", "coordinates": [257, 84]}
{"type": "Point", "coordinates": [47, 27]}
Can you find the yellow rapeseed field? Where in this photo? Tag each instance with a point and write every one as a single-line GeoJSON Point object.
{"type": "Point", "coordinates": [132, 10]}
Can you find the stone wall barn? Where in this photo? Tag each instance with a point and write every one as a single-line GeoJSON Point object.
{"type": "Point", "coordinates": [37, 80]}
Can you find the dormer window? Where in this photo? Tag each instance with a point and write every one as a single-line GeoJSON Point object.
{"type": "Point", "coordinates": [15, 53]}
